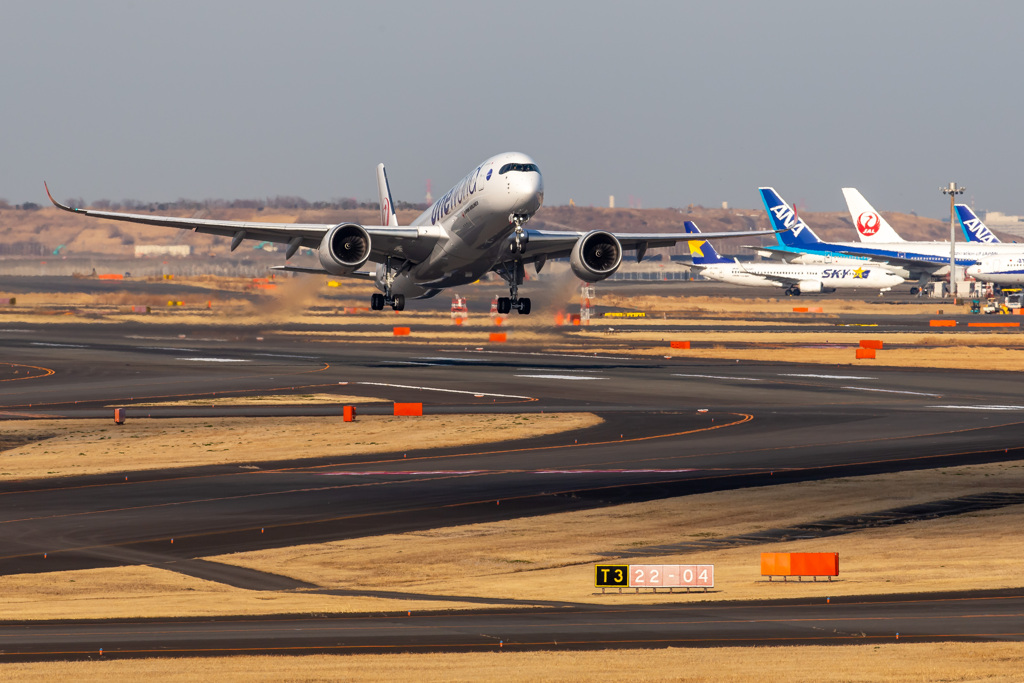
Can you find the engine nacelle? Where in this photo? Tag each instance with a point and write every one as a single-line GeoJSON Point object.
{"type": "Point", "coordinates": [810, 287]}
{"type": "Point", "coordinates": [344, 248]}
{"type": "Point", "coordinates": [595, 256]}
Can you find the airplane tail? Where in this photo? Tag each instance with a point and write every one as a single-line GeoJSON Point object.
{"type": "Point", "coordinates": [974, 229]}
{"type": "Point", "coordinates": [387, 205]}
{"type": "Point", "coordinates": [871, 227]}
{"type": "Point", "coordinates": [701, 251]}
{"type": "Point", "coordinates": [797, 233]}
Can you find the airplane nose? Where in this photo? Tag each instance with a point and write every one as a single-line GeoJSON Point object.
{"type": "Point", "coordinates": [530, 192]}
{"type": "Point", "coordinates": [973, 271]}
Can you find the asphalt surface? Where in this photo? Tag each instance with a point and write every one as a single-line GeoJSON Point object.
{"type": "Point", "coordinates": [992, 616]}
{"type": "Point", "coordinates": [765, 423]}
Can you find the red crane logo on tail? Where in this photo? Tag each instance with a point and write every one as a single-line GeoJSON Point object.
{"type": "Point", "coordinates": [867, 223]}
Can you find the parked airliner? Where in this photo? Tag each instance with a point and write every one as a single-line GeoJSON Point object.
{"type": "Point", "coordinates": [796, 278]}
{"type": "Point", "coordinates": [474, 228]}
{"type": "Point", "coordinates": [911, 260]}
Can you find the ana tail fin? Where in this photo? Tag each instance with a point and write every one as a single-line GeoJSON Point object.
{"type": "Point", "coordinates": [794, 232]}
{"type": "Point", "coordinates": [974, 229]}
{"type": "Point", "coordinates": [701, 251]}
{"type": "Point", "coordinates": [871, 227]}
{"type": "Point", "coordinates": [387, 205]}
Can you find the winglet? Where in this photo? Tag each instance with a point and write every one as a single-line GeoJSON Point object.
{"type": "Point", "coordinates": [56, 203]}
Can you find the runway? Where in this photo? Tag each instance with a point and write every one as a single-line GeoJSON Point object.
{"type": "Point", "coordinates": [874, 620]}
{"type": "Point", "coordinates": [765, 423]}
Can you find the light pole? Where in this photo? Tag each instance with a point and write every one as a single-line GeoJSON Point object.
{"type": "Point", "coordinates": [952, 190]}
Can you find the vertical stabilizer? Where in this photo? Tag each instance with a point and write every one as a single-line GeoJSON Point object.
{"type": "Point", "coordinates": [387, 205]}
{"type": "Point", "coordinates": [871, 227]}
{"type": "Point", "coordinates": [701, 251]}
{"type": "Point", "coordinates": [974, 229]}
{"type": "Point", "coordinates": [795, 233]}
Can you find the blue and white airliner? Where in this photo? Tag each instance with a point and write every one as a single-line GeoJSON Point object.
{"type": "Point", "coordinates": [797, 278]}
{"type": "Point", "coordinates": [474, 228]}
{"type": "Point", "coordinates": [911, 260]}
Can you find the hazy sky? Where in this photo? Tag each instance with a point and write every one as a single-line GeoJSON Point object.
{"type": "Point", "coordinates": [671, 103]}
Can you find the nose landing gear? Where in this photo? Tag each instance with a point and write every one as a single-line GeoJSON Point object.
{"type": "Point", "coordinates": [520, 237]}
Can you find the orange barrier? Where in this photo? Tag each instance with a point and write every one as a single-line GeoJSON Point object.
{"type": "Point", "coordinates": [349, 413]}
{"type": "Point", "coordinates": [409, 409]}
{"type": "Point", "coordinates": [679, 344]}
{"type": "Point", "coordinates": [801, 309]}
{"type": "Point", "coordinates": [942, 323]}
{"type": "Point", "coordinates": [402, 331]}
{"type": "Point", "coordinates": [110, 276]}
{"type": "Point", "coordinates": [799, 564]}
{"type": "Point", "coordinates": [871, 344]}
{"type": "Point", "coordinates": [499, 336]}
{"type": "Point", "coordinates": [865, 353]}
{"type": "Point", "coordinates": [119, 416]}
{"type": "Point", "coordinates": [993, 324]}
{"type": "Point", "coordinates": [815, 309]}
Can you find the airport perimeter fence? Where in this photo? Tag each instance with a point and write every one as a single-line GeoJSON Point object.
{"type": "Point", "coordinates": [137, 267]}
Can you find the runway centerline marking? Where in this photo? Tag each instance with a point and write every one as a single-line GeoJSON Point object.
{"type": "Point", "coordinates": [567, 377]}
{"type": "Point", "coordinates": [447, 391]}
{"type": "Point", "coordinates": [581, 356]}
{"type": "Point", "coordinates": [992, 407]}
{"type": "Point", "coordinates": [893, 391]}
{"type": "Point", "coordinates": [794, 374]}
{"type": "Point", "coordinates": [215, 360]}
{"type": "Point", "coordinates": [738, 379]}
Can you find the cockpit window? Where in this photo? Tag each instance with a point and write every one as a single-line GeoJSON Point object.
{"type": "Point", "coordinates": [518, 167]}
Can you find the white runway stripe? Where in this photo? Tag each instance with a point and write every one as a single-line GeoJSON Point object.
{"type": "Point", "coordinates": [447, 391]}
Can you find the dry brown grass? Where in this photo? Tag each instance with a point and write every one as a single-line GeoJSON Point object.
{"type": "Point", "coordinates": [551, 557]}
{"type": "Point", "coordinates": [898, 663]}
{"type": "Point", "coordinates": [144, 592]}
{"type": "Point", "coordinates": [78, 447]}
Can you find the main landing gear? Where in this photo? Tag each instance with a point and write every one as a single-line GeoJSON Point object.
{"type": "Point", "coordinates": [513, 273]}
{"type": "Point", "coordinates": [793, 291]}
{"type": "Point", "coordinates": [379, 301]}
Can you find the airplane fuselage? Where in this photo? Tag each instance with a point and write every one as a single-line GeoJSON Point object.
{"type": "Point", "coordinates": [472, 224]}
{"type": "Point", "coordinates": [863, 276]}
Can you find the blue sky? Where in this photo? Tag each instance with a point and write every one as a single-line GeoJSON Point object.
{"type": "Point", "coordinates": [672, 103]}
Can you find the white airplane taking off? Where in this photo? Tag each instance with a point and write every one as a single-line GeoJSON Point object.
{"type": "Point", "coordinates": [475, 228]}
{"type": "Point", "coordinates": [796, 278]}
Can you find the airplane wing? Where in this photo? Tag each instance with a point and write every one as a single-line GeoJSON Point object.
{"type": "Point", "coordinates": [544, 244]}
{"type": "Point", "coordinates": [386, 240]}
{"type": "Point", "coordinates": [905, 262]}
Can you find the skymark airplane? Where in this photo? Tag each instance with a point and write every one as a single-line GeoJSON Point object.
{"type": "Point", "coordinates": [911, 260]}
{"type": "Point", "coordinates": [796, 278]}
{"type": "Point", "coordinates": [474, 228]}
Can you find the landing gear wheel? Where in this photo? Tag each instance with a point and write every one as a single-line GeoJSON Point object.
{"type": "Point", "coordinates": [504, 305]}
{"type": "Point", "coordinates": [399, 302]}
{"type": "Point", "coordinates": [524, 307]}
{"type": "Point", "coordinates": [914, 291]}
{"type": "Point", "coordinates": [377, 302]}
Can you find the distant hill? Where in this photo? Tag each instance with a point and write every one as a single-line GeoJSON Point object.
{"type": "Point", "coordinates": [38, 232]}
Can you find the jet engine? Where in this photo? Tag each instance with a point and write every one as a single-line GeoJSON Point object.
{"type": "Point", "coordinates": [344, 248]}
{"type": "Point", "coordinates": [813, 287]}
{"type": "Point", "coordinates": [595, 256]}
